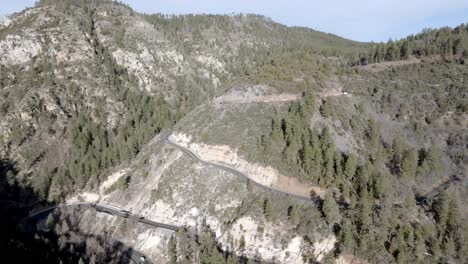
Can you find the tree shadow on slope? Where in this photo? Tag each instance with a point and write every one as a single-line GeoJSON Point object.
{"type": "Point", "coordinates": [35, 242]}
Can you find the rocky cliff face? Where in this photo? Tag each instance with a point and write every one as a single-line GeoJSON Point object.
{"type": "Point", "coordinates": [88, 90]}
{"type": "Point", "coordinates": [85, 85]}
{"type": "Point", "coordinates": [170, 187]}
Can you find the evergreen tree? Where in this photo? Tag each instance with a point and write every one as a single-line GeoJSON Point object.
{"type": "Point", "coordinates": [330, 209]}
{"type": "Point", "coordinates": [316, 157]}
{"type": "Point", "coordinates": [350, 166]}
{"type": "Point", "coordinates": [294, 216]}
{"type": "Point", "coordinates": [454, 219]}
{"type": "Point", "coordinates": [392, 51]}
{"type": "Point", "coordinates": [308, 105]}
{"type": "Point", "coordinates": [347, 237]}
{"type": "Point", "coordinates": [409, 165]}
{"type": "Point", "coordinates": [433, 159]}
{"type": "Point", "coordinates": [307, 157]}
{"type": "Point", "coordinates": [405, 50]}
{"type": "Point", "coordinates": [398, 149]}
{"type": "Point", "coordinates": [328, 150]}
{"type": "Point", "coordinates": [327, 108]}
{"type": "Point", "coordinates": [441, 209]}
{"type": "Point", "coordinates": [338, 160]}
{"type": "Point", "coordinates": [420, 246]}
{"type": "Point", "coordinates": [365, 210]}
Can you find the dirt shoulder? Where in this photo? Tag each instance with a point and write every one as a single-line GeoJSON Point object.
{"type": "Point", "coordinates": [267, 176]}
{"type": "Point", "coordinates": [381, 66]}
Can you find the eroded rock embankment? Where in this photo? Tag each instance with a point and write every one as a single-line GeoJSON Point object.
{"type": "Point", "coordinates": [172, 205]}
{"type": "Point", "coordinates": [264, 175]}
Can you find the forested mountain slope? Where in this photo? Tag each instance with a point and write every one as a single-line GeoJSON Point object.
{"type": "Point", "coordinates": [449, 44]}
{"type": "Point", "coordinates": [87, 87]}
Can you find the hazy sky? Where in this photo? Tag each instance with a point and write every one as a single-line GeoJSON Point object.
{"type": "Point", "coordinates": [364, 20]}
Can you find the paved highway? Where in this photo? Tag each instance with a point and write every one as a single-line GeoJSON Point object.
{"type": "Point", "coordinates": [165, 135]}
{"type": "Point", "coordinates": [442, 187]}
{"type": "Point", "coordinates": [236, 172]}
{"type": "Point", "coordinates": [134, 255]}
{"type": "Point", "coordinates": [106, 208]}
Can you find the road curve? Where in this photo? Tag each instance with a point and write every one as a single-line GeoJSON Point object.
{"type": "Point", "coordinates": [236, 172]}
{"type": "Point", "coordinates": [112, 210]}
{"type": "Point", "coordinates": [109, 209]}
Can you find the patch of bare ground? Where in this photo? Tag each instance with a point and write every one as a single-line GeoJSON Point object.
{"type": "Point", "coordinates": [268, 94]}
{"type": "Point", "coordinates": [381, 66]}
{"type": "Point", "coordinates": [350, 259]}
{"type": "Point", "coordinates": [238, 99]}
{"type": "Point", "coordinates": [265, 175]}
{"type": "Point", "coordinates": [331, 93]}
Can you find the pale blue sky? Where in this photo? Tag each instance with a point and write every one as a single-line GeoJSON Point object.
{"type": "Point", "coordinates": [363, 20]}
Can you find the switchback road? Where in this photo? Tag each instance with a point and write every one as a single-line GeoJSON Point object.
{"type": "Point", "coordinates": [166, 135]}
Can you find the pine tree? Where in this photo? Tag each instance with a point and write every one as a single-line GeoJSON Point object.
{"type": "Point", "coordinates": [347, 237]}
{"type": "Point", "coordinates": [364, 176]}
{"type": "Point", "coordinates": [442, 209]}
{"type": "Point", "coordinates": [277, 135]}
{"type": "Point", "coordinates": [291, 155]}
{"type": "Point", "coordinates": [308, 105]}
{"type": "Point", "coordinates": [338, 160]}
{"type": "Point", "coordinates": [409, 165]}
{"type": "Point", "coordinates": [316, 158]}
{"type": "Point", "coordinates": [328, 150]}
{"type": "Point", "coordinates": [454, 218]}
{"type": "Point", "coordinates": [398, 148]}
{"type": "Point", "coordinates": [307, 158]}
{"type": "Point", "coordinates": [365, 210]}
{"type": "Point", "coordinates": [267, 209]}
{"type": "Point", "coordinates": [330, 209]}
{"type": "Point", "coordinates": [350, 166]}
{"type": "Point", "coordinates": [294, 216]}
{"type": "Point", "coordinates": [448, 247]}
{"type": "Point", "coordinates": [433, 159]}
{"type": "Point", "coordinates": [420, 246]}
{"type": "Point", "coordinates": [327, 109]}
{"type": "Point", "coordinates": [392, 51]}
{"type": "Point", "coordinates": [405, 50]}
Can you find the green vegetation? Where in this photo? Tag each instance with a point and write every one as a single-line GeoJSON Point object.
{"type": "Point", "coordinates": [330, 209]}
{"type": "Point", "coordinates": [313, 156]}
{"type": "Point", "coordinates": [183, 248]}
{"type": "Point", "coordinates": [448, 43]}
{"type": "Point", "coordinates": [71, 121]}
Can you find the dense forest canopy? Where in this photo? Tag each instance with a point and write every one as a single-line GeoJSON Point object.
{"type": "Point", "coordinates": [451, 44]}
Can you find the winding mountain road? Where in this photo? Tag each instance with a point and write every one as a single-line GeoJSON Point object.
{"type": "Point", "coordinates": [315, 199]}
{"type": "Point", "coordinates": [451, 181]}
{"type": "Point", "coordinates": [134, 255]}
{"type": "Point", "coordinates": [106, 208]}
{"type": "Point", "coordinates": [166, 135]}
